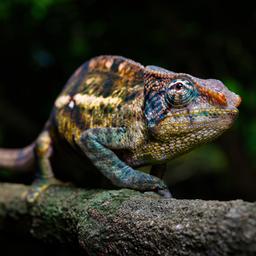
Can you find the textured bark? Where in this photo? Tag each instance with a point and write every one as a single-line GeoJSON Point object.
{"type": "Point", "coordinates": [126, 222]}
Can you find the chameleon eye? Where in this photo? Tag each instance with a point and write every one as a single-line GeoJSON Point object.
{"type": "Point", "coordinates": [180, 93]}
{"type": "Point", "coordinates": [177, 86]}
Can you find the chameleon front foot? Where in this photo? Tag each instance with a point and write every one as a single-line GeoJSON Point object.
{"type": "Point", "coordinates": [143, 182]}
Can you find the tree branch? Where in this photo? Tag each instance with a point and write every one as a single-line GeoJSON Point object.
{"type": "Point", "coordinates": [126, 222]}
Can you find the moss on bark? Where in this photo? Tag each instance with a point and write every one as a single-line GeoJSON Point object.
{"type": "Point", "coordinates": [126, 222]}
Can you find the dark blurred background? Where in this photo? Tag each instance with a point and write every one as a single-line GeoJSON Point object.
{"type": "Point", "coordinates": [44, 41]}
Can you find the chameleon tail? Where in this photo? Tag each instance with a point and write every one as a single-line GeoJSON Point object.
{"type": "Point", "coordinates": [17, 159]}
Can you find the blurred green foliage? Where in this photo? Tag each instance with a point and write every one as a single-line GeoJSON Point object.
{"type": "Point", "coordinates": [44, 41]}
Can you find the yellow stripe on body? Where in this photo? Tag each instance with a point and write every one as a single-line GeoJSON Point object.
{"type": "Point", "coordinates": [88, 101]}
{"type": "Point", "coordinates": [62, 101]}
{"type": "Point", "coordinates": [91, 101]}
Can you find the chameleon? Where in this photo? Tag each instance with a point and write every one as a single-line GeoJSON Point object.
{"type": "Point", "coordinates": [116, 115]}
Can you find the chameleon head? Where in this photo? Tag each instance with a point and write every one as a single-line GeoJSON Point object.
{"type": "Point", "coordinates": [185, 110]}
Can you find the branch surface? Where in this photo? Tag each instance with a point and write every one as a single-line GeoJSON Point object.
{"type": "Point", "coordinates": [126, 222]}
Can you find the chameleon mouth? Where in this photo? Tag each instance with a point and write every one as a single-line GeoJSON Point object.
{"type": "Point", "coordinates": [209, 113]}
{"type": "Point", "coordinates": [211, 122]}
{"type": "Point", "coordinates": [203, 118]}
{"type": "Point", "coordinates": [217, 114]}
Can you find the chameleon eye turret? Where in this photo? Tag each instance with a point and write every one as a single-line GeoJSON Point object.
{"type": "Point", "coordinates": [115, 115]}
{"type": "Point", "coordinates": [180, 93]}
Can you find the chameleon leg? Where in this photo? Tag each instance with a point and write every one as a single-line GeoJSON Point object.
{"type": "Point", "coordinates": [44, 175]}
{"type": "Point", "coordinates": [97, 144]}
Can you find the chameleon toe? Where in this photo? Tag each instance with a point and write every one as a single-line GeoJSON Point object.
{"type": "Point", "coordinates": [165, 193]}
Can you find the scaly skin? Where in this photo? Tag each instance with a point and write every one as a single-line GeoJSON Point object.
{"type": "Point", "coordinates": [121, 115]}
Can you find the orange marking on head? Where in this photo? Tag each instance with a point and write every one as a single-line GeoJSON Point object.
{"type": "Point", "coordinates": [217, 97]}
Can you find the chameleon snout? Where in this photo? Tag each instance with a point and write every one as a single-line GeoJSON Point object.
{"type": "Point", "coordinates": [234, 100]}
{"type": "Point", "coordinates": [237, 101]}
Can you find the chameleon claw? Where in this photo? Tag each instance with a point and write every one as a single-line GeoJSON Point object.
{"type": "Point", "coordinates": [165, 193]}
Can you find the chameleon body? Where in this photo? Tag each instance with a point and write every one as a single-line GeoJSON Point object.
{"type": "Point", "coordinates": [117, 115]}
